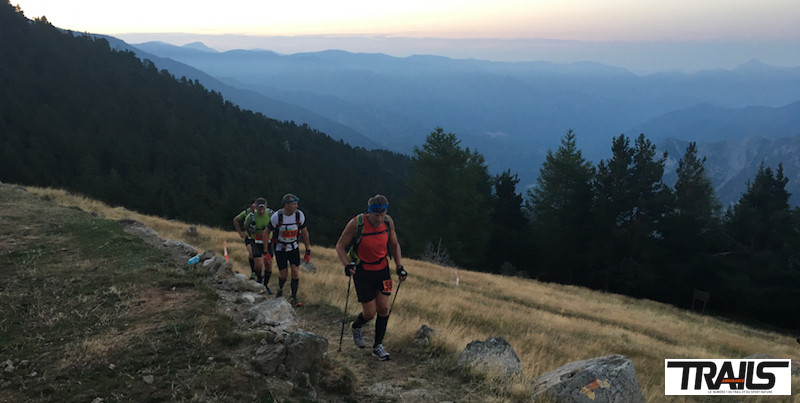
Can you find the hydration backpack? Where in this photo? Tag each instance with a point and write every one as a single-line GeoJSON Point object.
{"type": "Point", "coordinates": [352, 249]}
{"type": "Point", "coordinates": [277, 230]}
{"type": "Point", "coordinates": [250, 219]}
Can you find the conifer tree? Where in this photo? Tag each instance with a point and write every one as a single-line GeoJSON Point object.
{"type": "Point", "coordinates": [631, 202]}
{"type": "Point", "coordinates": [508, 241]}
{"type": "Point", "coordinates": [560, 208]}
{"type": "Point", "coordinates": [761, 275]}
{"type": "Point", "coordinates": [449, 200]}
{"type": "Point", "coordinates": [690, 231]}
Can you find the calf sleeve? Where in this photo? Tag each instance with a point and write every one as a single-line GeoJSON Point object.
{"type": "Point", "coordinates": [380, 329]}
{"type": "Point", "coordinates": [360, 321]}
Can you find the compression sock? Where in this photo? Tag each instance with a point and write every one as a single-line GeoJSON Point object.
{"type": "Point", "coordinates": [259, 277]}
{"type": "Point", "coordinates": [360, 321]}
{"type": "Point", "coordinates": [266, 278]}
{"type": "Point", "coordinates": [380, 329]}
{"type": "Point", "coordinates": [295, 282]}
{"type": "Point", "coordinates": [252, 265]}
{"type": "Point", "coordinates": [281, 282]}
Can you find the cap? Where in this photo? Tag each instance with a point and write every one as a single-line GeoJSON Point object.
{"type": "Point", "coordinates": [261, 202]}
{"type": "Point", "coordinates": [290, 198]}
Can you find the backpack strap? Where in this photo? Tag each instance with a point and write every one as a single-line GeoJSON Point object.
{"type": "Point", "coordinates": [359, 228]}
{"type": "Point", "coordinates": [359, 234]}
{"type": "Point", "coordinates": [250, 220]}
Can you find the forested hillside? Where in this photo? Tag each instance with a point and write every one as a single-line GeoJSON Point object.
{"type": "Point", "coordinates": [77, 115]}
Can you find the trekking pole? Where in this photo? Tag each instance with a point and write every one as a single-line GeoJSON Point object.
{"type": "Point", "coordinates": [395, 298]}
{"type": "Point", "coordinates": [344, 318]}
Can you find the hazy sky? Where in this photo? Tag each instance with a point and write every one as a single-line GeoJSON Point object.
{"type": "Point", "coordinates": [637, 22]}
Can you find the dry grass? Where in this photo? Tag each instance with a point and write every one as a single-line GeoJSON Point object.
{"type": "Point", "coordinates": [548, 325]}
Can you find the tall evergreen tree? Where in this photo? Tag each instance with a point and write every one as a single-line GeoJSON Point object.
{"type": "Point", "coordinates": [762, 272]}
{"type": "Point", "coordinates": [691, 232]}
{"type": "Point", "coordinates": [449, 200]}
{"type": "Point", "coordinates": [508, 241]}
{"type": "Point", "coordinates": [560, 209]}
{"type": "Point", "coordinates": [631, 202]}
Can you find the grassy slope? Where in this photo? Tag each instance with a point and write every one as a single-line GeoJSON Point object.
{"type": "Point", "coordinates": [88, 312]}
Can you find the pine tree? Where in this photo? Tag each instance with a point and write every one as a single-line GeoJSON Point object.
{"type": "Point", "coordinates": [631, 202]}
{"type": "Point", "coordinates": [691, 232]}
{"type": "Point", "coordinates": [507, 243]}
{"type": "Point", "coordinates": [762, 273]}
{"type": "Point", "coordinates": [560, 208]}
{"type": "Point", "coordinates": [449, 199]}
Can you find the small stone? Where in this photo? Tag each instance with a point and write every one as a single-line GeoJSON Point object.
{"type": "Point", "coordinates": [148, 379]}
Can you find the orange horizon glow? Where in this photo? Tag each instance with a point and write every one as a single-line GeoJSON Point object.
{"type": "Point", "coordinates": [585, 20]}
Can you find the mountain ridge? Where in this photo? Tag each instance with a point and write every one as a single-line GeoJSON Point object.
{"type": "Point", "coordinates": [390, 99]}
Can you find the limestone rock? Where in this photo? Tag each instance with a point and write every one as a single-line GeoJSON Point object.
{"type": "Point", "coordinates": [423, 335]}
{"type": "Point", "coordinates": [270, 357]}
{"type": "Point", "coordinates": [276, 312]}
{"type": "Point", "coordinates": [383, 390]}
{"type": "Point", "coordinates": [308, 267]}
{"type": "Point", "coordinates": [491, 355]}
{"type": "Point", "coordinates": [304, 350]}
{"type": "Point", "coordinates": [609, 379]}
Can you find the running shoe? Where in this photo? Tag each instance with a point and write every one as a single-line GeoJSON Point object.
{"type": "Point", "coordinates": [358, 336]}
{"type": "Point", "coordinates": [379, 352]}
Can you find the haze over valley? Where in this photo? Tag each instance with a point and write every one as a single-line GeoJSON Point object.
{"type": "Point", "coordinates": [511, 112]}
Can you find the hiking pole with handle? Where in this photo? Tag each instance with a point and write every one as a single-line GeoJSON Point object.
{"type": "Point", "coordinates": [399, 271]}
{"type": "Point", "coordinates": [344, 318]}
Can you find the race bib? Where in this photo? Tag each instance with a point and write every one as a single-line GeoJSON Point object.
{"type": "Point", "coordinates": [387, 285]}
{"type": "Point", "coordinates": [289, 233]}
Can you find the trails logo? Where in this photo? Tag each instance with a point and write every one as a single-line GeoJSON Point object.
{"type": "Point", "coordinates": [711, 377]}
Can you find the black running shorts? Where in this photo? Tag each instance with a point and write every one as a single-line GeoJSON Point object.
{"type": "Point", "coordinates": [285, 259]}
{"type": "Point", "coordinates": [370, 283]}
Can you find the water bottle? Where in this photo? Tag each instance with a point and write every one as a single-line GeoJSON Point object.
{"type": "Point", "coordinates": [194, 260]}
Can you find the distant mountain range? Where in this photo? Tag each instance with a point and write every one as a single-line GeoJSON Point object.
{"type": "Point", "coordinates": [249, 99]}
{"type": "Point", "coordinates": [732, 163]}
{"type": "Point", "coordinates": [510, 112]}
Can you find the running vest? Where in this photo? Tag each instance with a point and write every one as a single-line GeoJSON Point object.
{"type": "Point", "coordinates": [371, 244]}
{"type": "Point", "coordinates": [286, 229]}
{"type": "Point", "coordinates": [256, 226]}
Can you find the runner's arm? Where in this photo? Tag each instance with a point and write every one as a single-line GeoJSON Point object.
{"type": "Point", "coordinates": [344, 241]}
{"type": "Point", "coordinates": [306, 239]}
{"type": "Point", "coordinates": [236, 225]}
{"type": "Point", "coordinates": [394, 246]}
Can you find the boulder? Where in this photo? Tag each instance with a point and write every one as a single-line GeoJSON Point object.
{"type": "Point", "coordinates": [225, 271]}
{"type": "Point", "coordinates": [269, 358]}
{"type": "Point", "coordinates": [304, 350]}
{"type": "Point", "coordinates": [494, 354]}
{"type": "Point", "coordinates": [609, 379]}
{"type": "Point", "coordinates": [423, 335]}
{"type": "Point", "coordinates": [275, 312]}
{"type": "Point", "coordinates": [240, 282]}
{"type": "Point", "coordinates": [180, 248]}
{"type": "Point", "coordinates": [213, 264]}
{"type": "Point", "coordinates": [308, 267]}
{"type": "Point", "coordinates": [383, 390]}
{"type": "Point", "coordinates": [421, 396]}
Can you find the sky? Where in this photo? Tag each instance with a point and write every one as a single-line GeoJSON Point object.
{"type": "Point", "coordinates": [683, 35]}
